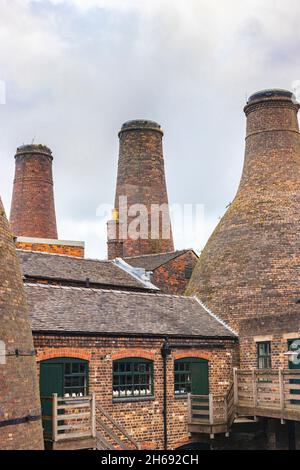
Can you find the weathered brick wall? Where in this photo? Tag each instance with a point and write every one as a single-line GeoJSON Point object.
{"type": "Point", "coordinates": [142, 419]}
{"type": "Point", "coordinates": [32, 210]}
{"type": "Point", "coordinates": [19, 395]}
{"type": "Point", "coordinates": [250, 265]}
{"type": "Point", "coordinates": [275, 328]}
{"type": "Point", "coordinates": [76, 251]}
{"type": "Point", "coordinates": [171, 277]}
{"type": "Point", "coordinates": [141, 177]}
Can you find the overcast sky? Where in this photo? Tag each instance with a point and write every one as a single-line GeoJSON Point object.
{"type": "Point", "coordinates": [75, 70]}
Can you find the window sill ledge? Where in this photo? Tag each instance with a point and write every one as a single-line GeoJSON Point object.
{"type": "Point", "coordinates": [132, 399]}
{"type": "Point", "coordinates": [181, 397]}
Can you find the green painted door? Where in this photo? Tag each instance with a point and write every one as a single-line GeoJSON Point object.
{"type": "Point", "coordinates": [294, 363]}
{"type": "Point", "coordinates": [199, 375]}
{"type": "Point", "coordinates": [51, 381]}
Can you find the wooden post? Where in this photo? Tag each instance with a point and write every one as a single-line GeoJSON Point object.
{"type": "Point", "coordinates": [281, 392]}
{"type": "Point", "coordinates": [54, 417]}
{"type": "Point", "coordinates": [254, 385]}
{"type": "Point", "coordinates": [225, 409]}
{"type": "Point", "coordinates": [211, 409]}
{"type": "Point", "coordinates": [189, 408]}
{"type": "Point", "coordinates": [93, 414]}
{"type": "Point", "coordinates": [235, 386]}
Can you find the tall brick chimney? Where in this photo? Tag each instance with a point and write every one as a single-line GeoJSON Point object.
{"type": "Point", "coordinates": [141, 179]}
{"type": "Point", "coordinates": [250, 265]}
{"type": "Point", "coordinates": [20, 420]}
{"type": "Point", "coordinates": [32, 210]}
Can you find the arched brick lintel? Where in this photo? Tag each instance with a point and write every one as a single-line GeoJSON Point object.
{"type": "Point", "coordinates": [142, 353]}
{"type": "Point", "coordinates": [51, 353]}
{"type": "Point", "coordinates": [188, 353]}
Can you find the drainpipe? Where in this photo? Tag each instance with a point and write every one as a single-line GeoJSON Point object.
{"type": "Point", "coordinates": [165, 352]}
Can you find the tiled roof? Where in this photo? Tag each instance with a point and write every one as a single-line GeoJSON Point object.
{"type": "Point", "coordinates": [69, 268]}
{"type": "Point", "coordinates": [154, 261]}
{"type": "Point", "coordinates": [84, 310]}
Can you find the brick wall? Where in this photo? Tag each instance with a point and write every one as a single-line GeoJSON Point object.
{"type": "Point", "coordinates": [274, 328]}
{"type": "Point", "coordinates": [69, 250]}
{"type": "Point", "coordinates": [142, 419]}
{"type": "Point", "coordinates": [171, 277]}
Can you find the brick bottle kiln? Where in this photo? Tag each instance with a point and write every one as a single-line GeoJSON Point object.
{"type": "Point", "coordinates": [141, 178]}
{"type": "Point", "coordinates": [20, 414]}
{"type": "Point", "coordinates": [250, 265]}
{"type": "Point", "coordinates": [32, 210]}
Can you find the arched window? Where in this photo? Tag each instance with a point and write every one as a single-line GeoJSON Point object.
{"type": "Point", "coordinates": [132, 378]}
{"type": "Point", "coordinates": [191, 376]}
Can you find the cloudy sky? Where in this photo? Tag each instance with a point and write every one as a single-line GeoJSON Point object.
{"type": "Point", "coordinates": [75, 70]}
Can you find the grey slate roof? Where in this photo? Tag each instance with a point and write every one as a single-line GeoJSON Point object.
{"type": "Point", "coordinates": [69, 268]}
{"type": "Point", "coordinates": [154, 261]}
{"type": "Point", "coordinates": [73, 309]}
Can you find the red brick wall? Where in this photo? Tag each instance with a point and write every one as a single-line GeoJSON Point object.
{"type": "Point", "coordinates": [32, 210]}
{"type": "Point", "coordinates": [274, 328]}
{"type": "Point", "coordinates": [171, 278]}
{"type": "Point", "coordinates": [76, 251]}
{"type": "Point", "coordinates": [142, 419]}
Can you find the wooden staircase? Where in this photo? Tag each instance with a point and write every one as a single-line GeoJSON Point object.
{"type": "Point", "coordinates": [82, 423]}
{"type": "Point", "coordinates": [211, 414]}
{"type": "Point", "coordinates": [267, 393]}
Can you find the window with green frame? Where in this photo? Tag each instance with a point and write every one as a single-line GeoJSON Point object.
{"type": "Point", "coordinates": [133, 378]}
{"type": "Point", "coordinates": [264, 355]}
{"type": "Point", "coordinates": [182, 377]}
{"type": "Point", "coordinates": [188, 272]}
{"type": "Point", "coordinates": [75, 379]}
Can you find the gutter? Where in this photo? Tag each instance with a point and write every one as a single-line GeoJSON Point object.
{"type": "Point", "coordinates": [140, 335]}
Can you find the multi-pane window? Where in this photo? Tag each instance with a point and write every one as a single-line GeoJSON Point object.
{"type": "Point", "coordinates": [188, 273]}
{"type": "Point", "coordinates": [264, 355]}
{"type": "Point", "coordinates": [75, 379]}
{"type": "Point", "coordinates": [132, 378]}
{"type": "Point", "coordinates": [182, 377]}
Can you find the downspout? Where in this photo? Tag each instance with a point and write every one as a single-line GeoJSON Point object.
{"type": "Point", "coordinates": [165, 352]}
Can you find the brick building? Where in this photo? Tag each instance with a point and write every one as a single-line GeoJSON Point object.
{"type": "Point", "coordinates": [118, 336]}
{"type": "Point", "coordinates": [220, 369]}
{"type": "Point", "coordinates": [170, 272]}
